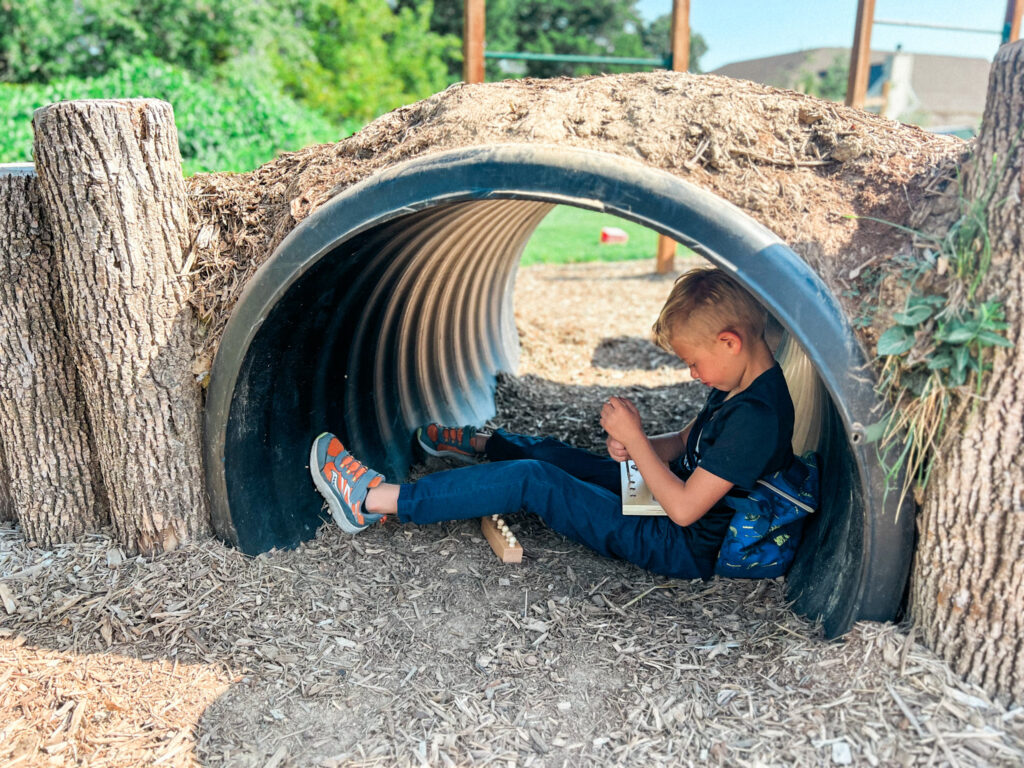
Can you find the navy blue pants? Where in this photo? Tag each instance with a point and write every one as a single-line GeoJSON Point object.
{"type": "Point", "coordinates": [575, 492]}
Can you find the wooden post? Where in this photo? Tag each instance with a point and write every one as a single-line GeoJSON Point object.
{"type": "Point", "coordinates": [1011, 25]}
{"type": "Point", "coordinates": [474, 26]}
{"type": "Point", "coordinates": [664, 260]}
{"type": "Point", "coordinates": [860, 55]}
{"type": "Point", "coordinates": [44, 436]}
{"type": "Point", "coordinates": [680, 35]}
{"type": "Point", "coordinates": [113, 192]}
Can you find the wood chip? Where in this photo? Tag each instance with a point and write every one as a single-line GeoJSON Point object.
{"type": "Point", "coordinates": [10, 604]}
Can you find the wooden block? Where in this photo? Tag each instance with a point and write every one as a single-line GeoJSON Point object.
{"type": "Point", "coordinates": [505, 552]}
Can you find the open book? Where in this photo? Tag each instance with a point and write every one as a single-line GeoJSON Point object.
{"type": "Point", "coordinates": [636, 496]}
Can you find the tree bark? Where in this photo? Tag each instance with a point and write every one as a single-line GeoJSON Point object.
{"type": "Point", "coordinates": [110, 172]}
{"type": "Point", "coordinates": [967, 591]}
{"type": "Point", "coordinates": [52, 480]}
{"type": "Point", "coordinates": [6, 506]}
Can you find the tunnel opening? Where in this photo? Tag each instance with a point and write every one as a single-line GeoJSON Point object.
{"type": "Point", "coordinates": [392, 306]}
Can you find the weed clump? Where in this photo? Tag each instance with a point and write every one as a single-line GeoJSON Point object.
{"type": "Point", "coordinates": [935, 355]}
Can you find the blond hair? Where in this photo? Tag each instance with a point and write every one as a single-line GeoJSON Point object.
{"type": "Point", "coordinates": [707, 301]}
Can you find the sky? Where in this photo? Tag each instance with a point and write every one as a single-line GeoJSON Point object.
{"type": "Point", "coordinates": [748, 29]}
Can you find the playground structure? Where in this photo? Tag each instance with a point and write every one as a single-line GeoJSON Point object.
{"type": "Point", "coordinates": [677, 58]}
{"type": "Point", "coordinates": [434, 201]}
{"type": "Point", "coordinates": [429, 324]}
{"type": "Point", "coordinates": [431, 232]}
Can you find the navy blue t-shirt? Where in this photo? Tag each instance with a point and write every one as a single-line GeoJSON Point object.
{"type": "Point", "coordinates": [741, 439]}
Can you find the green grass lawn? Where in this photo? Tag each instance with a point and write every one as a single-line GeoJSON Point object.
{"type": "Point", "coordinates": [568, 235]}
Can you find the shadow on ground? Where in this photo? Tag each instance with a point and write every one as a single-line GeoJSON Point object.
{"type": "Point", "coordinates": [633, 353]}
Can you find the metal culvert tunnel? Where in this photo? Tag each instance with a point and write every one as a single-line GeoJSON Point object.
{"type": "Point", "coordinates": [391, 306]}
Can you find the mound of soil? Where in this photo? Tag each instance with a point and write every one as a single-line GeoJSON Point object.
{"type": "Point", "coordinates": [822, 176]}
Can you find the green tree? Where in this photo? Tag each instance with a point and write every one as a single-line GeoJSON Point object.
{"type": "Point", "coordinates": [600, 28]}
{"type": "Point", "coordinates": [348, 59]}
{"type": "Point", "coordinates": [355, 59]}
{"type": "Point", "coordinates": [43, 40]}
{"type": "Point", "coordinates": [829, 83]}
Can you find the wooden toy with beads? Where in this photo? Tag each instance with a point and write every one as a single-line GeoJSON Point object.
{"type": "Point", "coordinates": [502, 540]}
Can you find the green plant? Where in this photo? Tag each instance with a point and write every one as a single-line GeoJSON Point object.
{"type": "Point", "coordinates": [829, 83]}
{"type": "Point", "coordinates": [357, 59]}
{"type": "Point", "coordinates": [935, 355]}
{"type": "Point", "coordinates": [231, 122]}
{"type": "Point", "coordinates": [957, 338]}
{"type": "Point", "coordinates": [44, 40]}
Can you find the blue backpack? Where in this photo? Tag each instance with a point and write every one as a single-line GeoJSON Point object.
{"type": "Point", "coordinates": [766, 525]}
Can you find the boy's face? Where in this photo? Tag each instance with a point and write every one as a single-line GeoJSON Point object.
{"type": "Point", "coordinates": [712, 361]}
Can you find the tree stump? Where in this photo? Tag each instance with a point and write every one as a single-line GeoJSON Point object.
{"type": "Point", "coordinates": [110, 172]}
{"type": "Point", "coordinates": [45, 451]}
{"type": "Point", "coordinates": [967, 591]}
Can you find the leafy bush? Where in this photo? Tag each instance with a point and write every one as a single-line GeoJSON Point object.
{"type": "Point", "coordinates": [43, 40]}
{"type": "Point", "coordinates": [356, 59]}
{"type": "Point", "coordinates": [347, 59]}
{"type": "Point", "coordinates": [233, 123]}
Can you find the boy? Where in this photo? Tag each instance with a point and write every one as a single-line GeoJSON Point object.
{"type": "Point", "coordinates": [743, 432]}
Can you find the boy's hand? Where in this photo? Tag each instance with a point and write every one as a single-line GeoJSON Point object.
{"type": "Point", "coordinates": [616, 450]}
{"type": "Point", "coordinates": [621, 420]}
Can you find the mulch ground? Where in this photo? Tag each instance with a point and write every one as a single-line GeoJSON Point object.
{"type": "Point", "coordinates": [414, 646]}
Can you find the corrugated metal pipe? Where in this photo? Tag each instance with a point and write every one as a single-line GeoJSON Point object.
{"type": "Point", "coordinates": [392, 305]}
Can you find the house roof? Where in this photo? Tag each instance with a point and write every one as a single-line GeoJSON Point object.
{"type": "Point", "coordinates": [787, 69]}
{"type": "Point", "coordinates": [951, 85]}
{"type": "Point", "coordinates": [952, 89]}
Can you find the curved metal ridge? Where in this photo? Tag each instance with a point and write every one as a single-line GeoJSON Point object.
{"type": "Point", "coordinates": [392, 305]}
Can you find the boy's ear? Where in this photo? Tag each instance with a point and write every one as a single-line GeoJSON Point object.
{"type": "Point", "coordinates": [732, 341]}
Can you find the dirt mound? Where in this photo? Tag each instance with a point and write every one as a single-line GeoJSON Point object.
{"type": "Point", "coordinates": [818, 174]}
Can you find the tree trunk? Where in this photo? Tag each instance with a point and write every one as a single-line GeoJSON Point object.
{"type": "Point", "coordinates": [967, 591]}
{"type": "Point", "coordinates": [53, 483]}
{"type": "Point", "coordinates": [111, 178]}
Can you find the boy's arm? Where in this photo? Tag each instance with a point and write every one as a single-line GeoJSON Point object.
{"type": "Point", "coordinates": [684, 502]}
{"type": "Point", "coordinates": [669, 446]}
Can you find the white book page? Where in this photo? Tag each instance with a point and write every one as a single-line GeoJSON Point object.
{"type": "Point", "coordinates": [636, 496]}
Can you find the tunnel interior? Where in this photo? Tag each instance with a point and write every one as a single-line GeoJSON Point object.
{"type": "Point", "coordinates": [392, 306]}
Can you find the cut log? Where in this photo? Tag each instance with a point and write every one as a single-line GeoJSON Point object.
{"type": "Point", "coordinates": [967, 591]}
{"type": "Point", "coordinates": [110, 172]}
{"type": "Point", "coordinates": [44, 436]}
